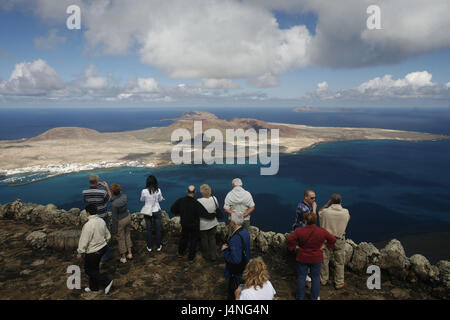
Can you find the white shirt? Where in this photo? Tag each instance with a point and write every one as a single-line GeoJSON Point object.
{"type": "Point", "coordinates": [239, 200]}
{"type": "Point", "coordinates": [94, 235]}
{"type": "Point", "coordinates": [267, 292]}
{"type": "Point", "coordinates": [210, 206]}
{"type": "Point", "coordinates": [152, 200]}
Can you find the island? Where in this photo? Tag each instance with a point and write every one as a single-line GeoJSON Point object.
{"type": "Point", "coordinates": [72, 149]}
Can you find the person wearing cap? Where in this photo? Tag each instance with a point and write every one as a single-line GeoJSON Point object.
{"type": "Point", "coordinates": [239, 201]}
{"type": "Point", "coordinates": [190, 211]}
{"type": "Point", "coordinates": [334, 218]}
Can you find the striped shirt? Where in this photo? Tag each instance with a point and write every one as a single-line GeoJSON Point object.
{"type": "Point", "coordinates": [97, 196]}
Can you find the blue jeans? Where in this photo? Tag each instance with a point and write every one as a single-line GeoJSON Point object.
{"type": "Point", "coordinates": [106, 255]}
{"type": "Point", "coordinates": [315, 280]}
{"type": "Point", "coordinates": [156, 219]}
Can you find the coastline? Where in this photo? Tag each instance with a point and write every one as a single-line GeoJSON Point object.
{"type": "Point", "coordinates": [66, 150]}
{"type": "Point", "coordinates": [136, 164]}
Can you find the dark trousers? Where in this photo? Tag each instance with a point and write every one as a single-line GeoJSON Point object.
{"type": "Point", "coordinates": [233, 284]}
{"type": "Point", "coordinates": [208, 243]}
{"type": "Point", "coordinates": [189, 238]}
{"type": "Point", "coordinates": [156, 217]}
{"type": "Point", "coordinates": [91, 267]}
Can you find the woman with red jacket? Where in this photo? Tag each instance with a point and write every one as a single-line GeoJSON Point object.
{"type": "Point", "coordinates": [309, 242]}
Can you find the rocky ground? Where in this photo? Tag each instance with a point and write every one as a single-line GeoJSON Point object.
{"type": "Point", "coordinates": [28, 273]}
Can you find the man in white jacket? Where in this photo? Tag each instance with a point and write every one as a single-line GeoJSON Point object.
{"type": "Point", "coordinates": [239, 201]}
{"type": "Point", "coordinates": [93, 243]}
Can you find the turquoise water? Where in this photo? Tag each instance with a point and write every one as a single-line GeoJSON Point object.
{"type": "Point", "coordinates": [391, 188]}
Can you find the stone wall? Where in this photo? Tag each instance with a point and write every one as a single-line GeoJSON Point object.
{"type": "Point", "coordinates": [391, 259]}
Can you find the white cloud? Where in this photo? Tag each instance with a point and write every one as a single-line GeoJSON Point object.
{"type": "Point", "coordinates": [142, 85]}
{"type": "Point", "coordinates": [217, 84]}
{"type": "Point", "coordinates": [31, 78]}
{"type": "Point", "coordinates": [414, 85]}
{"type": "Point", "coordinates": [411, 85]}
{"type": "Point", "coordinates": [91, 80]}
{"type": "Point", "coordinates": [266, 80]}
{"type": "Point", "coordinates": [49, 42]}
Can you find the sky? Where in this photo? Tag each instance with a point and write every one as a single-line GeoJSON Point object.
{"type": "Point", "coordinates": [145, 53]}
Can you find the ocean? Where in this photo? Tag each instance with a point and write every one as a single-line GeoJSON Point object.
{"type": "Point", "coordinates": [391, 188]}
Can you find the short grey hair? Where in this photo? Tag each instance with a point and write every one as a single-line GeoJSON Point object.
{"type": "Point", "coordinates": [237, 182]}
{"type": "Point", "coordinates": [93, 179]}
{"type": "Point", "coordinates": [237, 218]}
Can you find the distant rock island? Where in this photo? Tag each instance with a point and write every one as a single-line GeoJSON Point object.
{"type": "Point", "coordinates": [315, 109]}
{"type": "Point", "coordinates": [196, 115]}
{"type": "Point", "coordinates": [71, 149]}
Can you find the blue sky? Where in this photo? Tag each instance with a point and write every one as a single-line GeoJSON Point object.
{"type": "Point", "coordinates": [223, 53]}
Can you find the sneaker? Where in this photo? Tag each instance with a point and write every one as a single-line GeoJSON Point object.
{"type": "Point", "coordinates": [149, 249]}
{"type": "Point", "coordinates": [129, 256]}
{"type": "Point", "coordinates": [123, 260]}
{"type": "Point", "coordinates": [308, 278]}
{"type": "Point", "coordinates": [318, 298]}
{"type": "Point", "coordinates": [160, 248]}
{"type": "Point", "coordinates": [87, 289]}
{"type": "Point", "coordinates": [108, 287]}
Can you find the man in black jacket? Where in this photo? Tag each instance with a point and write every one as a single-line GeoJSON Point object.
{"type": "Point", "coordinates": [190, 211]}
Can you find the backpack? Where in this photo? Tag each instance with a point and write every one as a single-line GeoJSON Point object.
{"type": "Point", "coordinates": [236, 269]}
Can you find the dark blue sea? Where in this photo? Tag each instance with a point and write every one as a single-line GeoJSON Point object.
{"type": "Point", "coordinates": [392, 188]}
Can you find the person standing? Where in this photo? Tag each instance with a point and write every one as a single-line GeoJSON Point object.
{"type": "Point", "coordinates": [308, 204]}
{"type": "Point", "coordinates": [99, 197]}
{"type": "Point", "coordinates": [152, 196]}
{"type": "Point", "coordinates": [93, 241]}
{"type": "Point", "coordinates": [208, 227]}
{"type": "Point", "coordinates": [236, 253]}
{"type": "Point", "coordinates": [190, 211]}
{"type": "Point", "coordinates": [239, 201]}
{"type": "Point", "coordinates": [334, 218]}
{"type": "Point", "coordinates": [121, 221]}
{"type": "Point", "coordinates": [309, 243]}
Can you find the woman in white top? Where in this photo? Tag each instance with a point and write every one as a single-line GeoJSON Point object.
{"type": "Point", "coordinates": [208, 226]}
{"type": "Point", "coordinates": [152, 211]}
{"type": "Point", "coordinates": [257, 285]}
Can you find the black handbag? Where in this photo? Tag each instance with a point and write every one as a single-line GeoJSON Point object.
{"type": "Point", "coordinates": [219, 213]}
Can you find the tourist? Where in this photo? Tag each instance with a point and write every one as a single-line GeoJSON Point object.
{"type": "Point", "coordinates": [334, 218]}
{"type": "Point", "coordinates": [93, 243]}
{"type": "Point", "coordinates": [99, 197]}
{"type": "Point", "coordinates": [121, 221]}
{"type": "Point", "coordinates": [152, 196]}
{"type": "Point", "coordinates": [190, 211]}
{"type": "Point", "coordinates": [236, 253]}
{"type": "Point", "coordinates": [208, 226]}
{"type": "Point", "coordinates": [308, 204]}
{"type": "Point", "coordinates": [239, 201]}
{"type": "Point", "coordinates": [309, 243]}
{"type": "Point", "coordinates": [257, 285]}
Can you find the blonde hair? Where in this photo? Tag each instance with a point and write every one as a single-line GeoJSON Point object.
{"type": "Point", "coordinates": [205, 190]}
{"type": "Point", "coordinates": [255, 273]}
